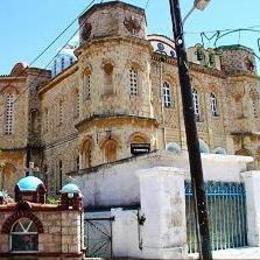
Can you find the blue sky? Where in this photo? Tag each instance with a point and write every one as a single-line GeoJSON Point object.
{"type": "Point", "coordinates": [28, 26]}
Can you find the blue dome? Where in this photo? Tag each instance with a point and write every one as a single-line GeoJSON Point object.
{"type": "Point", "coordinates": [70, 188]}
{"type": "Point", "coordinates": [29, 183]}
{"type": "Point", "coordinates": [174, 148]}
{"type": "Point", "coordinates": [204, 148]}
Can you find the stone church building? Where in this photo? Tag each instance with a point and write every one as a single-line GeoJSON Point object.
{"type": "Point", "coordinates": [117, 94]}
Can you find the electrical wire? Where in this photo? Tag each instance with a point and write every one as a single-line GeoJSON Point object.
{"type": "Point", "coordinates": [53, 58]}
{"type": "Point", "coordinates": [222, 30]}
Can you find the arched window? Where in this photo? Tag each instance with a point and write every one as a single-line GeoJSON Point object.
{"type": "Point", "coordinates": [46, 120]}
{"type": "Point", "coordinates": [213, 104]}
{"type": "Point", "coordinates": [86, 154]}
{"type": "Point", "coordinates": [167, 95]}
{"type": "Point", "coordinates": [71, 61]}
{"type": "Point", "coordinates": [254, 108]}
{"type": "Point", "coordinates": [62, 63]}
{"type": "Point", "coordinates": [24, 236]}
{"type": "Point", "coordinates": [7, 175]}
{"type": "Point", "coordinates": [77, 163]}
{"type": "Point", "coordinates": [9, 114]}
{"type": "Point", "coordinates": [133, 82]}
{"type": "Point", "coordinates": [55, 68]}
{"type": "Point", "coordinates": [61, 173]}
{"type": "Point", "coordinates": [108, 79]}
{"type": "Point", "coordinates": [61, 112]}
{"type": "Point", "coordinates": [87, 85]}
{"type": "Point", "coordinates": [34, 117]}
{"type": "Point", "coordinates": [110, 151]}
{"type": "Point", "coordinates": [59, 176]}
{"type": "Point", "coordinates": [77, 104]}
{"type": "Point", "coordinates": [195, 96]}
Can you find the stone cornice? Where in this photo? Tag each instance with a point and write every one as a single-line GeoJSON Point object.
{"type": "Point", "coordinates": [193, 66]}
{"type": "Point", "coordinates": [111, 4]}
{"type": "Point", "coordinates": [99, 120]}
{"type": "Point", "coordinates": [108, 39]}
{"type": "Point", "coordinates": [243, 75]}
{"type": "Point", "coordinates": [7, 78]}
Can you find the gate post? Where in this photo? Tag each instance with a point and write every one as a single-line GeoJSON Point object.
{"type": "Point", "coordinates": [252, 184]}
{"type": "Point", "coordinates": [163, 206]}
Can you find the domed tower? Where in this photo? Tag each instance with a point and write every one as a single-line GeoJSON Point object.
{"type": "Point", "coordinates": [63, 60]}
{"type": "Point", "coordinates": [237, 59]}
{"type": "Point", "coordinates": [114, 61]}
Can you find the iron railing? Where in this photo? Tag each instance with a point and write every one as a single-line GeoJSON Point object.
{"type": "Point", "coordinates": [227, 215]}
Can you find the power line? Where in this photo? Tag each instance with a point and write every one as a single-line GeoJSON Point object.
{"type": "Point", "coordinates": [222, 30]}
{"type": "Point", "coordinates": [53, 58]}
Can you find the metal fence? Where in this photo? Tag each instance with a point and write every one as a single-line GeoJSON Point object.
{"type": "Point", "coordinates": [98, 237]}
{"type": "Point", "coordinates": [227, 215]}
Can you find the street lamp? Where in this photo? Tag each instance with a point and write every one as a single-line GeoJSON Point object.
{"type": "Point", "coordinates": [201, 4]}
{"type": "Point", "coordinates": [197, 4]}
{"type": "Point", "coordinates": [200, 205]}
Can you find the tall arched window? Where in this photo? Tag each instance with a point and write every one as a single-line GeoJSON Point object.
{"type": "Point", "coordinates": [71, 61]}
{"type": "Point", "coordinates": [77, 103]}
{"type": "Point", "coordinates": [55, 68]}
{"type": "Point", "coordinates": [9, 114]}
{"type": "Point", "coordinates": [77, 163]}
{"type": "Point", "coordinates": [46, 120]}
{"type": "Point", "coordinates": [213, 104]}
{"type": "Point", "coordinates": [167, 95]}
{"type": "Point", "coordinates": [62, 63]}
{"type": "Point", "coordinates": [254, 108]}
{"type": "Point", "coordinates": [133, 82]}
{"type": "Point", "coordinates": [195, 96]}
{"type": "Point", "coordinates": [7, 176]}
{"type": "Point", "coordinates": [110, 151]}
{"type": "Point", "coordinates": [60, 174]}
{"type": "Point", "coordinates": [108, 79]}
{"type": "Point", "coordinates": [61, 112]}
{"type": "Point", "coordinates": [24, 236]}
{"type": "Point", "coordinates": [86, 154]}
{"type": "Point", "coordinates": [87, 85]}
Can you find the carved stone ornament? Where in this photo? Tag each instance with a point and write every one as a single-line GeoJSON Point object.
{"type": "Point", "coordinates": [86, 31]}
{"type": "Point", "coordinates": [132, 25]}
{"type": "Point", "coordinates": [249, 64]}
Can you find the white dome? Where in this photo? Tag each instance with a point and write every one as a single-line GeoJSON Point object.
{"type": "Point", "coordinates": [63, 60]}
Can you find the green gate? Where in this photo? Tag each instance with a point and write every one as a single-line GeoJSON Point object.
{"type": "Point", "coordinates": [227, 215]}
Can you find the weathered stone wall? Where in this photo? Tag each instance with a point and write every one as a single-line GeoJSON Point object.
{"type": "Point", "coordinates": [17, 87]}
{"type": "Point", "coordinates": [211, 128]}
{"type": "Point", "coordinates": [237, 58]}
{"type": "Point", "coordinates": [110, 19]}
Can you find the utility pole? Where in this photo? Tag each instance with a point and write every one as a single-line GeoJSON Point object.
{"type": "Point", "coordinates": [200, 205]}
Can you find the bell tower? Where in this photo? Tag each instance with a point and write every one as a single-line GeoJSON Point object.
{"type": "Point", "coordinates": [114, 60]}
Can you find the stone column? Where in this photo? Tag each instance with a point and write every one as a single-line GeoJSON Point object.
{"type": "Point", "coordinates": [252, 186]}
{"type": "Point", "coordinates": [71, 232]}
{"type": "Point", "coordinates": [163, 206]}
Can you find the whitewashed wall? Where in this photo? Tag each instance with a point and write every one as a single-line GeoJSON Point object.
{"type": "Point", "coordinates": [118, 184]}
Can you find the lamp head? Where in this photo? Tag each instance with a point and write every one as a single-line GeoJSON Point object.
{"type": "Point", "coordinates": [201, 4]}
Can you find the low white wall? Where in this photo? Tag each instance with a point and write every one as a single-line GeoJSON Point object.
{"type": "Point", "coordinates": [158, 229]}
{"type": "Point", "coordinates": [118, 184]}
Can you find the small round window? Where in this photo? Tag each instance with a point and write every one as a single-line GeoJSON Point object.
{"type": "Point", "coordinates": [24, 236]}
